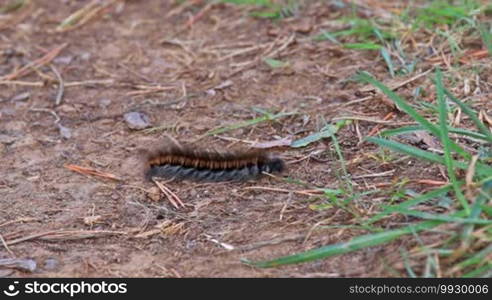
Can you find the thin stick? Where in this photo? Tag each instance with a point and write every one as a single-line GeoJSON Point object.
{"type": "Point", "coordinates": [360, 118]}
{"type": "Point", "coordinates": [377, 127]}
{"type": "Point", "coordinates": [90, 82]}
{"type": "Point", "coordinates": [90, 171]}
{"type": "Point", "coordinates": [58, 234]}
{"type": "Point", "coordinates": [30, 237]}
{"type": "Point", "coordinates": [302, 192]}
{"type": "Point", "coordinates": [387, 173]}
{"type": "Point", "coordinates": [393, 88]}
{"type": "Point", "coordinates": [48, 57]}
{"type": "Point", "coordinates": [199, 15]}
{"type": "Point", "coordinates": [22, 83]}
{"type": "Point", "coordinates": [169, 194]}
{"type": "Point", "coordinates": [6, 246]}
{"type": "Point", "coordinates": [61, 85]}
{"type": "Point", "coordinates": [275, 241]}
{"type": "Point", "coordinates": [174, 196]}
{"type": "Point", "coordinates": [18, 220]}
{"type": "Point", "coordinates": [53, 113]}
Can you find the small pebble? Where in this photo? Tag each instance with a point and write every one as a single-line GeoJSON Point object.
{"type": "Point", "coordinates": [104, 102]}
{"type": "Point", "coordinates": [65, 132]}
{"type": "Point", "coordinates": [63, 60]}
{"type": "Point", "coordinates": [7, 139]}
{"type": "Point", "coordinates": [137, 120]}
{"type": "Point", "coordinates": [23, 264]}
{"type": "Point", "coordinates": [51, 264]}
{"type": "Point", "coordinates": [21, 97]}
{"type": "Point", "coordinates": [85, 56]}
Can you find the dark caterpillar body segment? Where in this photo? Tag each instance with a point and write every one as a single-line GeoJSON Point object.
{"type": "Point", "coordinates": [186, 163]}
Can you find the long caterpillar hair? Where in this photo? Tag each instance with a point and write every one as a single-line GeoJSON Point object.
{"type": "Point", "coordinates": [189, 162]}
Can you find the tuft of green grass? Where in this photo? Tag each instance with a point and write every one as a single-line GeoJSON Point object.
{"type": "Point", "coordinates": [486, 35]}
{"type": "Point", "coordinates": [367, 34]}
{"type": "Point", "coordinates": [445, 12]}
{"type": "Point", "coordinates": [269, 9]}
{"type": "Point", "coordinates": [275, 64]}
{"type": "Point", "coordinates": [364, 34]}
{"type": "Point", "coordinates": [264, 118]}
{"type": "Point", "coordinates": [357, 243]}
{"type": "Point", "coordinates": [13, 6]}
{"type": "Point", "coordinates": [468, 219]}
{"type": "Point", "coordinates": [327, 131]}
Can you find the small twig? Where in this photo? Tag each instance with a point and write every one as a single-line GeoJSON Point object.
{"type": "Point", "coordinates": [387, 173]}
{"type": "Point", "coordinates": [61, 85]}
{"type": "Point", "coordinates": [199, 15]}
{"type": "Point", "coordinates": [22, 83]}
{"type": "Point", "coordinates": [284, 207]}
{"type": "Point", "coordinates": [30, 237]}
{"type": "Point", "coordinates": [84, 15]}
{"type": "Point", "coordinates": [141, 76]}
{"type": "Point", "coordinates": [48, 57]}
{"type": "Point", "coordinates": [393, 88]}
{"type": "Point", "coordinates": [360, 118]}
{"type": "Point", "coordinates": [302, 192]}
{"type": "Point", "coordinates": [226, 246]}
{"type": "Point", "coordinates": [270, 242]}
{"type": "Point", "coordinates": [53, 113]}
{"type": "Point", "coordinates": [90, 171]}
{"type": "Point", "coordinates": [90, 82]}
{"type": "Point", "coordinates": [363, 99]}
{"type": "Point", "coordinates": [20, 17]}
{"type": "Point", "coordinates": [18, 220]}
{"type": "Point", "coordinates": [282, 47]}
{"type": "Point", "coordinates": [377, 127]}
{"type": "Point", "coordinates": [430, 182]}
{"type": "Point", "coordinates": [67, 84]}
{"type": "Point", "coordinates": [66, 235]}
{"type": "Point", "coordinates": [169, 194]}
{"type": "Point", "coordinates": [6, 246]}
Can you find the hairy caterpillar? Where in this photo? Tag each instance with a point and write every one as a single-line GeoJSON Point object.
{"type": "Point", "coordinates": [191, 163]}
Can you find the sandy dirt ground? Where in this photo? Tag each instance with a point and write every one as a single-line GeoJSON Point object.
{"type": "Point", "coordinates": [188, 75]}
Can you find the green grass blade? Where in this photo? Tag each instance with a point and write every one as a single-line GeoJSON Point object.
{"type": "Point", "coordinates": [446, 141]}
{"type": "Point", "coordinates": [482, 198]}
{"type": "Point", "coordinates": [403, 105]}
{"type": "Point", "coordinates": [12, 6]}
{"type": "Point", "coordinates": [325, 35]}
{"type": "Point", "coordinates": [410, 129]}
{"type": "Point", "coordinates": [406, 263]}
{"type": "Point", "coordinates": [356, 243]}
{"type": "Point", "coordinates": [481, 169]}
{"type": "Point", "coordinates": [475, 135]}
{"type": "Point", "coordinates": [486, 37]}
{"type": "Point", "coordinates": [406, 149]}
{"type": "Point", "coordinates": [473, 116]}
{"type": "Point", "coordinates": [409, 203]}
{"type": "Point", "coordinates": [484, 271]}
{"type": "Point", "coordinates": [326, 131]}
{"type": "Point", "coordinates": [343, 163]}
{"type": "Point", "coordinates": [266, 117]}
{"type": "Point", "coordinates": [274, 63]}
{"type": "Point", "coordinates": [401, 130]}
{"type": "Point", "coordinates": [250, 2]}
{"type": "Point", "coordinates": [444, 218]}
{"type": "Point", "coordinates": [387, 58]}
{"type": "Point", "coordinates": [362, 46]}
{"type": "Point", "coordinates": [476, 259]}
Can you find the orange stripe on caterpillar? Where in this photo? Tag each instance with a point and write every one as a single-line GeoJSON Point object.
{"type": "Point", "coordinates": [190, 163]}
